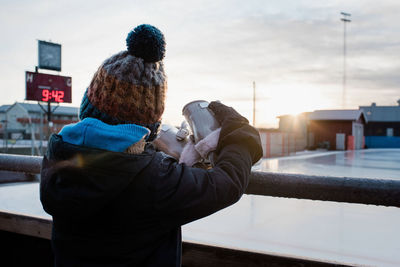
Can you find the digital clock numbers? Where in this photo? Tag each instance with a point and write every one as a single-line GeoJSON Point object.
{"type": "Point", "coordinates": [48, 88]}
{"type": "Point", "coordinates": [54, 95]}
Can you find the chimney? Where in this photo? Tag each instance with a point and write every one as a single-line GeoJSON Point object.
{"type": "Point", "coordinates": [374, 104]}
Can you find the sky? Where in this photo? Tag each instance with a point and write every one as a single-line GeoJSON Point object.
{"type": "Point", "coordinates": [293, 50]}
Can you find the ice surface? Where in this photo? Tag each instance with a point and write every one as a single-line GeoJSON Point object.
{"type": "Point", "coordinates": [347, 233]}
{"type": "Point", "coordinates": [341, 232]}
{"type": "Point", "coordinates": [370, 163]}
{"type": "Point", "coordinates": [22, 198]}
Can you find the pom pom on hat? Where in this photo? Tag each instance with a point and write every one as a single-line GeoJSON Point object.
{"type": "Point", "coordinates": [146, 42]}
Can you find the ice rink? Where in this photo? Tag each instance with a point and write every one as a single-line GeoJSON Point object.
{"type": "Point", "coordinates": [338, 232]}
{"type": "Point", "coordinates": [369, 163]}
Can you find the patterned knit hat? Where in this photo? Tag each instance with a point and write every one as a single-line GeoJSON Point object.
{"type": "Point", "coordinates": [130, 86]}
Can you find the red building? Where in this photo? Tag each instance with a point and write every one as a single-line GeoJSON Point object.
{"type": "Point", "coordinates": [337, 129]}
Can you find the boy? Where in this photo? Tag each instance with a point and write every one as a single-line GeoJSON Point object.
{"type": "Point", "coordinates": [115, 201]}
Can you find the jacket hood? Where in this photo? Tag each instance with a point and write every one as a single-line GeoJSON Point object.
{"type": "Point", "coordinates": [79, 181]}
{"type": "Point", "coordinates": [94, 133]}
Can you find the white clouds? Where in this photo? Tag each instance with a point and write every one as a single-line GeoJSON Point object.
{"type": "Point", "coordinates": [215, 49]}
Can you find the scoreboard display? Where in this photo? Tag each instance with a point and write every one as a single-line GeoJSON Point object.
{"type": "Point", "coordinates": [48, 88]}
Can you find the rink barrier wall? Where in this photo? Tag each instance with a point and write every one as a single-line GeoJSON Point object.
{"type": "Point", "coordinates": [28, 244]}
{"type": "Point", "coordinates": [382, 141]}
{"type": "Point", "coordinates": [384, 192]}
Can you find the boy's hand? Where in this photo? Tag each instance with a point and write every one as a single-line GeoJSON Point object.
{"type": "Point", "coordinates": [235, 129]}
{"type": "Point", "coordinates": [224, 113]}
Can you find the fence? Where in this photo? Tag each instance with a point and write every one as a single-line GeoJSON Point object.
{"type": "Point", "coordinates": [382, 141]}
{"type": "Point", "coordinates": [277, 144]}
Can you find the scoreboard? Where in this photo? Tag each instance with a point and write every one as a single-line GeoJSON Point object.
{"type": "Point", "coordinates": [48, 88]}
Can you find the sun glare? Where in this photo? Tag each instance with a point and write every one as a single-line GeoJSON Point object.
{"type": "Point", "coordinates": [291, 100]}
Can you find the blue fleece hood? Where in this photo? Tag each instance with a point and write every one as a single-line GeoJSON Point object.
{"type": "Point", "coordinates": [94, 133]}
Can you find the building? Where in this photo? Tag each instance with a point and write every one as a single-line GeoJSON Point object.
{"type": "Point", "coordinates": [297, 126]}
{"type": "Point", "coordinates": [330, 129]}
{"type": "Point", "coordinates": [383, 128]}
{"type": "Point", "coordinates": [338, 129]}
{"type": "Point", "coordinates": [20, 120]}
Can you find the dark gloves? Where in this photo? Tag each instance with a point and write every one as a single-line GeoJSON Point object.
{"type": "Point", "coordinates": [235, 129]}
{"type": "Point", "coordinates": [223, 113]}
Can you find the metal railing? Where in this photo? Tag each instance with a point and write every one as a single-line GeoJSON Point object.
{"type": "Point", "coordinates": [383, 192]}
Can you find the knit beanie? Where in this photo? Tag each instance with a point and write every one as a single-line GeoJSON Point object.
{"type": "Point", "coordinates": [130, 86]}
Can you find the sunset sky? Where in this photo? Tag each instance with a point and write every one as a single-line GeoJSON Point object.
{"type": "Point", "coordinates": [293, 50]}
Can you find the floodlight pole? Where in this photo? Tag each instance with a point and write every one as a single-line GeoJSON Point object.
{"type": "Point", "coordinates": [345, 20]}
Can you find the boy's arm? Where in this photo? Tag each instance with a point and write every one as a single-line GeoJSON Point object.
{"type": "Point", "coordinates": [185, 194]}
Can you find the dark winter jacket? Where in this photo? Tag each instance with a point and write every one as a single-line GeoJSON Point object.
{"type": "Point", "coordinates": [116, 209]}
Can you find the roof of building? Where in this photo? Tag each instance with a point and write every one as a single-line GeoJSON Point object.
{"type": "Point", "coordinates": [35, 108]}
{"type": "Point", "coordinates": [382, 113]}
{"type": "Point", "coordinates": [303, 114]}
{"type": "Point", "coordinates": [339, 114]}
{"type": "Point", "coordinates": [4, 108]}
